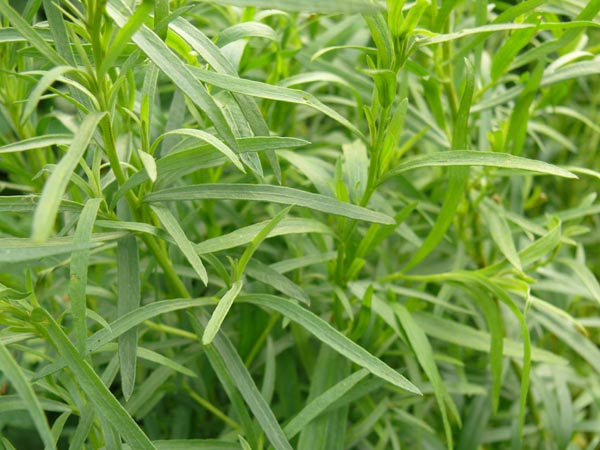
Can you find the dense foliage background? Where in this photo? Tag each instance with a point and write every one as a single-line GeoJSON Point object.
{"type": "Point", "coordinates": [308, 224]}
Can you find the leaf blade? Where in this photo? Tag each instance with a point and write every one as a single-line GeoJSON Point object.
{"type": "Point", "coordinates": [54, 189]}
{"type": "Point", "coordinates": [174, 229]}
{"type": "Point", "coordinates": [333, 338]}
{"type": "Point", "coordinates": [269, 193]}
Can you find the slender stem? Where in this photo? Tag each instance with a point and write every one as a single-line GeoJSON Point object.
{"type": "Point", "coordinates": [210, 407]}
{"type": "Point", "coordinates": [165, 263]}
{"type": "Point", "coordinates": [170, 330]}
{"type": "Point", "coordinates": [260, 341]}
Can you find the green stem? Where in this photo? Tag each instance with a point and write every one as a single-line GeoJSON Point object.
{"type": "Point", "coordinates": [260, 341]}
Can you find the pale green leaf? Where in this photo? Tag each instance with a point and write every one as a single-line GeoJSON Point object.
{"type": "Point", "coordinates": [268, 193]}
{"type": "Point", "coordinates": [54, 189]}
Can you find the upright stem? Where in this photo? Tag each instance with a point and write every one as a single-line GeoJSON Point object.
{"type": "Point", "coordinates": [110, 150]}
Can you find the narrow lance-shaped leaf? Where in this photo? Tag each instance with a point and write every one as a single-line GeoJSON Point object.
{"type": "Point", "coordinates": [37, 142]}
{"type": "Point", "coordinates": [90, 383]}
{"type": "Point", "coordinates": [586, 276]}
{"type": "Point", "coordinates": [502, 236]}
{"type": "Point", "coordinates": [251, 394]}
{"type": "Point", "coordinates": [22, 385]}
{"type": "Point", "coordinates": [330, 336]}
{"type": "Point", "coordinates": [220, 63]}
{"type": "Point", "coordinates": [259, 238]}
{"type": "Point", "coordinates": [124, 35]}
{"type": "Point", "coordinates": [29, 33]}
{"type": "Point", "coordinates": [226, 301]}
{"type": "Point", "coordinates": [468, 337]}
{"type": "Point", "coordinates": [56, 24]}
{"type": "Point", "coordinates": [269, 193]}
{"type": "Point", "coordinates": [478, 158]}
{"type": "Point", "coordinates": [218, 316]}
{"type": "Point", "coordinates": [126, 323]}
{"type": "Point", "coordinates": [329, 431]}
{"type": "Point", "coordinates": [174, 229]}
{"type": "Point", "coordinates": [268, 275]}
{"type": "Point", "coordinates": [244, 235]}
{"type": "Point", "coordinates": [45, 82]}
{"type": "Point", "coordinates": [54, 189]}
{"type": "Point", "coordinates": [505, 298]}
{"type": "Point", "coordinates": [457, 178]}
{"type": "Point", "coordinates": [225, 378]}
{"type": "Point", "coordinates": [493, 318]}
{"type": "Point", "coordinates": [205, 137]}
{"type": "Point", "coordinates": [264, 90]}
{"type": "Point", "coordinates": [245, 30]}
{"type": "Point", "coordinates": [79, 272]}
{"type": "Point", "coordinates": [313, 6]}
{"type": "Point", "coordinates": [424, 353]}
{"type": "Point", "coordinates": [519, 118]}
{"type": "Point", "coordinates": [322, 402]}
{"type": "Point", "coordinates": [174, 68]}
{"type": "Point", "coordinates": [128, 300]}
{"type": "Point", "coordinates": [17, 250]}
{"type": "Point", "coordinates": [491, 28]}
{"type": "Point", "coordinates": [186, 161]}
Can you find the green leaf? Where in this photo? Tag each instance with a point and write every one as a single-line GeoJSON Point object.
{"type": "Point", "coordinates": [45, 82]}
{"type": "Point", "coordinates": [328, 431]}
{"type": "Point", "coordinates": [263, 90]}
{"type": "Point", "coordinates": [90, 382]}
{"type": "Point", "coordinates": [206, 137]}
{"type": "Point", "coordinates": [519, 118]}
{"type": "Point", "coordinates": [424, 353]}
{"type": "Point", "coordinates": [469, 337]}
{"type": "Point", "coordinates": [356, 169]}
{"type": "Point", "coordinates": [149, 355]}
{"type": "Point", "coordinates": [86, 420]}
{"type": "Point", "coordinates": [268, 193]}
{"type": "Point", "coordinates": [586, 276]}
{"type": "Point", "coordinates": [149, 164]}
{"type": "Point", "coordinates": [17, 250]}
{"type": "Point", "coordinates": [258, 239]}
{"type": "Point", "coordinates": [457, 177]}
{"type": "Point", "coordinates": [54, 189]}
{"type": "Point", "coordinates": [37, 142]}
{"type": "Point", "coordinates": [226, 380]}
{"type": "Point", "coordinates": [383, 40]}
{"type": "Point", "coordinates": [267, 275]}
{"type": "Point", "coordinates": [23, 203]}
{"type": "Point", "coordinates": [320, 403]}
{"type": "Point", "coordinates": [128, 299]}
{"type": "Point", "coordinates": [218, 316]}
{"type": "Point", "coordinates": [58, 29]}
{"type": "Point", "coordinates": [331, 337]}
{"type": "Point", "coordinates": [29, 33]}
{"type": "Point", "coordinates": [478, 158]}
{"type": "Point", "coordinates": [22, 385]}
{"type": "Point", "coordinates": [315, 6]}
{"type": "Point", "coordinates": [79, 271]}
{"type": "Point", "coordinates": [127, 322]}
{"type": "Point", "coordinates": [124, 35]}
{"type": "Point", "coordinates": [502, 235]}
{"type": "Point", "coordinates": [245, 30]}
{"type": "Point", "coordinates": [175, 165]}
{"type": "Point", "coordinates": [175, 69]}
{"type": "Point", "coordinates": [223, 351]}
{"type": "Point", "coordinates": [491, 28]}
{"type": "Point", "coordinates": [194, 444]}
{"type": "Point", "coordinates": [174, 229]}
{"type": "Point", "coordinates": [245, 235]}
